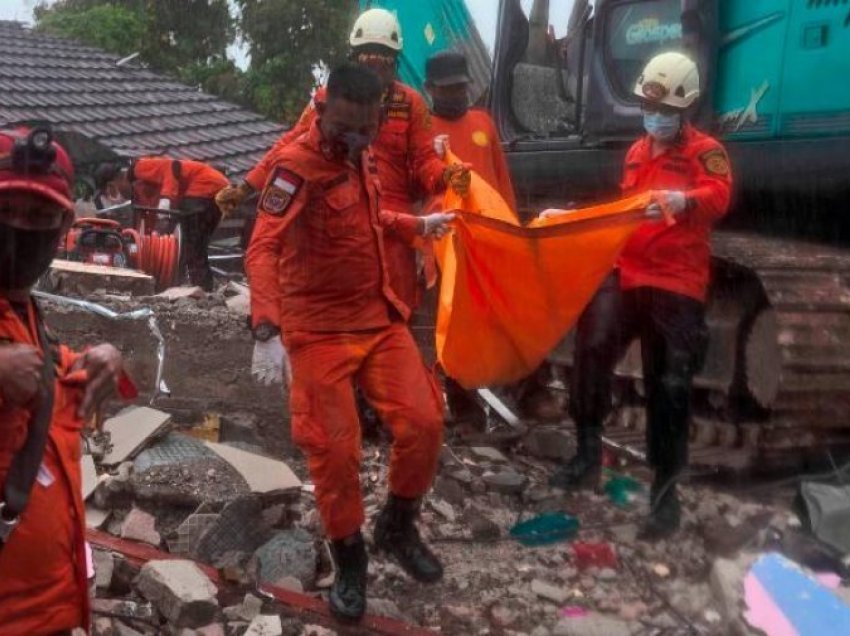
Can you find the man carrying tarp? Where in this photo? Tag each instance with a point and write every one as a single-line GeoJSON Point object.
{"type": "Point", "coordinates": [657, 291]}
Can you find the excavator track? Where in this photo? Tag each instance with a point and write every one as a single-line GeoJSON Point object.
{"type": "Point", "coordinates": [775, 390]}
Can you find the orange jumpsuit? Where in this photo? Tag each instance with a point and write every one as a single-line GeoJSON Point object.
{"type": "Point", "coordinates": [156, 178]}
{"type": "Point", "coordinates": [43, 587]}
{"type": "Point", "coordinates": [317, 265]}
{"type": "Point", "coordinates": [408, 166]}
{"type": "Point", "coordinates": [475, 140]}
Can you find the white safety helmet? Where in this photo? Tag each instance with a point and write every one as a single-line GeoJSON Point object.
{"type": "Point", "coordinates": [376, 26]}
{"type": "Point", "coordinates": [671, 79]}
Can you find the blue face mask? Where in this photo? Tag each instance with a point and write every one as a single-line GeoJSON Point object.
{"type": "Point", "coordinates": [662, 127]}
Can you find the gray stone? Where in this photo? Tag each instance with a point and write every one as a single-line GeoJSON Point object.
{"type": "Point", "coordinates": [483, 529]}
{"type": "Point", "coordinates": [591, 625]}
{"type": "Point", "coordinates": [138, 525]}
{"type": "Point", "coordinates": [180, 591]}
{"type": "Point", "coordinates": [290, 553]}
{"type": "Point", "coordinates": [548, 443]}
{"type": "Point", "coordinates": [386, 608]}
{"type": "Point", "coordinates": [544, 590]}
{"type": "Point", "coordinates": [445, 509]}
{"type": "Point", "coordinates": [489, 454]}
{"type": "Point", "coordinates": [506, 482]}
{"type": "Point", "coordinates": [265, 626]}
{"type": "Point", "coordinates": [104, 566]}
{"type": "Point", "coordinates": [463, 475]}
{"type": "Point", "coordinates": [451, 491]}
{"type": "Point", "coordinates": [247, 610]}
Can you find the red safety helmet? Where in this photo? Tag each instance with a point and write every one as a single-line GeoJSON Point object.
{"type": "Point", "coordinates": [30, 161]}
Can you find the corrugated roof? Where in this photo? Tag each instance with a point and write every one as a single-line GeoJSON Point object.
{"type": "Point", "coordinates": [129, 109]}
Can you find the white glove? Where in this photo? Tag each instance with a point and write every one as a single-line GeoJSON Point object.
{"type": "Point", "coordinates": [675, 200]}
{"type": "Point", "coordinates": [552, 213]}
{"type": "Point", "coordinates": [437, 224]}
{"type": "Point", "coordinates": [270, 363]}
{"type": "Point", "coordinates": [164, 204]}
{"type": "Point", "coordinates": [441, 145]}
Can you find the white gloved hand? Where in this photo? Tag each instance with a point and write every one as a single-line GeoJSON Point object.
{"type": "Point", "coordinates": [270, 363]}
{"type": "Point", "coordinates": [441, 145]}
{"type": "Point", "coordinates": [437, 224]}
{"type": "Point", "coordinates": [674, 200]}
{"type": "Point", "coordinates": [164, 204]}
{"type": "Point", "coordinates": [553, 213]}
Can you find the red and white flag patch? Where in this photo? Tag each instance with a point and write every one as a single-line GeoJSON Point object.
{"type": "Point", "coordinates": [281, 191]}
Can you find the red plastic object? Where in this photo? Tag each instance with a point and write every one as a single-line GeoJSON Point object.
{"type": "Point", "coordinates": [594, 555]}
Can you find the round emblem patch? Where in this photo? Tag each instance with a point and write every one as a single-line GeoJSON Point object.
{"type": "Point", "coordinates": [480, 138]}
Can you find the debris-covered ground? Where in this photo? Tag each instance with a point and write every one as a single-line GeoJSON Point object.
{"type": "Point", "coordinates": [209, 481]}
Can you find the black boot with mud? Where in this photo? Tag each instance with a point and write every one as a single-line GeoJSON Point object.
{"type": "Point", "coordinates": [665, 512]}
{"type": "Point", "coordinates": [585, 468]}
{"type": "Point", "coordinates": [396, 534]}
{"type": "Point", "coordinates": [348, 593]}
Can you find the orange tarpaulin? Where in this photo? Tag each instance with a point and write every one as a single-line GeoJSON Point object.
{"type": "Point", "coordinates": [509, 293]}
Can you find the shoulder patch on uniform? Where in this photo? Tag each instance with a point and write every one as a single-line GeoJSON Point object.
{"type": "Point", "coordinates": [481, 138]}
{"type": "Point", "coordinates": [280, 192]}
{"type": "Point", "coordinates": [715, 162]}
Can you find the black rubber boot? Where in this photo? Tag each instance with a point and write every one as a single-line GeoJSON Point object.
{"type": "Point", "coordinates": [665, 512]}
{"type": "Point", "coordinates": [396, 534]}
{"type": "Point", "coordinates": [348, 593]}
{"type": "Point", "coordinates": [585, 469]}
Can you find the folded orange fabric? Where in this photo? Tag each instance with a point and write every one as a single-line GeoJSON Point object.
{"type": "Point", "coordinates": [510, 293]}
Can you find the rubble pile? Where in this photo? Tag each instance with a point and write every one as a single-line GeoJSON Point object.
{"type": "Point", "coordinates": [207, 478]}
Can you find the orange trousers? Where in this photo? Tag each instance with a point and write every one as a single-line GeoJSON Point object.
{"type": "Point", "coordinates": [387, 366]}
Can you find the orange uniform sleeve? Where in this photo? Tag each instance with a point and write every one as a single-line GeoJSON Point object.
{"type": "Point", "coordinates": [282, 199]}
{"type": "Point", "coordinates": [405, 226]}
{"type": "Point", "coordinates": [712, 193]}
{"type": "Point", "coordinates": [426, 165]}
{"type": "Point", "coordinates": [257, 177]}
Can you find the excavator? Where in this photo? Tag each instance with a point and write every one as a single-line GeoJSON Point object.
{"type": "Point", "coordinates": [775, 386]}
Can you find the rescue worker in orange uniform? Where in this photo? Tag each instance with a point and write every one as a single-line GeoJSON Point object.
{"type": "Point", "coordinates": [658, 290]}
{"type": "Point", "coordinates": [180, 184]}
{"type": "Point", "coordinates": [407, 164]}
{"type": "Point", "coordinates": [469, 132]}
{"type": "Point", "coordinates": [319, 276]}
{"type": "Point", "coordinates": [45, 389]}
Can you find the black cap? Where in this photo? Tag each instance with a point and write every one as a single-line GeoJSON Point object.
{"type": "Point", "coordinates": [446, 68]}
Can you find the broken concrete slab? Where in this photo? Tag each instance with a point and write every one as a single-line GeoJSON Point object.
{"type": "Point", "coordinates": [138, 525]}
{"type": "Point", "coordinates": [95, 517]}
{"type": "Point", "coordinates": [180, 591]}
{"type": "Point", "coordinates": [234, 537]}
{"type": "Point", "coordinates": [288, 554]}
{"type": "Point", "coordinates": [173, 449]}
{"type": "Point", "coordinates": [129, 431]}
{"type": "Point", "coordinates": [83, 279]}
{"type": "Point", "coordinates": [187, 534]}
{"type": "Point", "coordinates": [265, 626]}
{"type": "Point", "coordinates": [262, 474]}
{"type": "Point", "coordinates": [506, 482]}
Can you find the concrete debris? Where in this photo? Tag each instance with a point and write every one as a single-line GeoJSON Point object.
{"type": "Point", "coordinates": [83, 279]}
{"type": "Point", "coordinates": [104, 566]}
{"type": "Point", "coordinates": [176, 293]}
{"type": "Point", "coordinates": [592, 625]}
{"type": "Point", "coordinates": [123, 608]}
{"type": "Point", "coordinates": [129, 431]}
{"type": "Point", "coordinates": [265, 626]}
{"type": "Point", "coordinates": [289, 554]}
{"type": "Point", "coordinates": [215, 629]}
{"type": "Point", "coordinates": [247, 610]}
{"type": "Point", "coordinates": [445, 509]}
{"type": "Point", "coordinates": [138, 525]}
{"type": "Point", "coordinates": [95, 517]}
{"type": "Point", "coordinates": [89, 476]}
{"type": "Point", "coordinates": [549, 443]}
{"type": "Point", "coordinates": [180, 591]}
{"type": "Point", "coordinates": [386, 608]}
{"type": "Point", "coordinates": [263, 475]}
{"type": "Point", "coordinates": [317, 630]}
{"type": "Point", "coordinates": [727, 584]}
{"type": "Point", "coordinates": [488, 454]}
{"type": "Point", "coordinates": [557, 595]}
{"type": "Point", "coordinates": [450, 490]}
{"type": "Point", "coordinates": [235, 535]}
{"type": "Point", "coordinates": [506, 482]}
{"type": "Point", "coordinates": [187, 534]}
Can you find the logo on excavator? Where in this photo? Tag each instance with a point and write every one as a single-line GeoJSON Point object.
{"type": "Point", "coordinates": [652, 31]}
